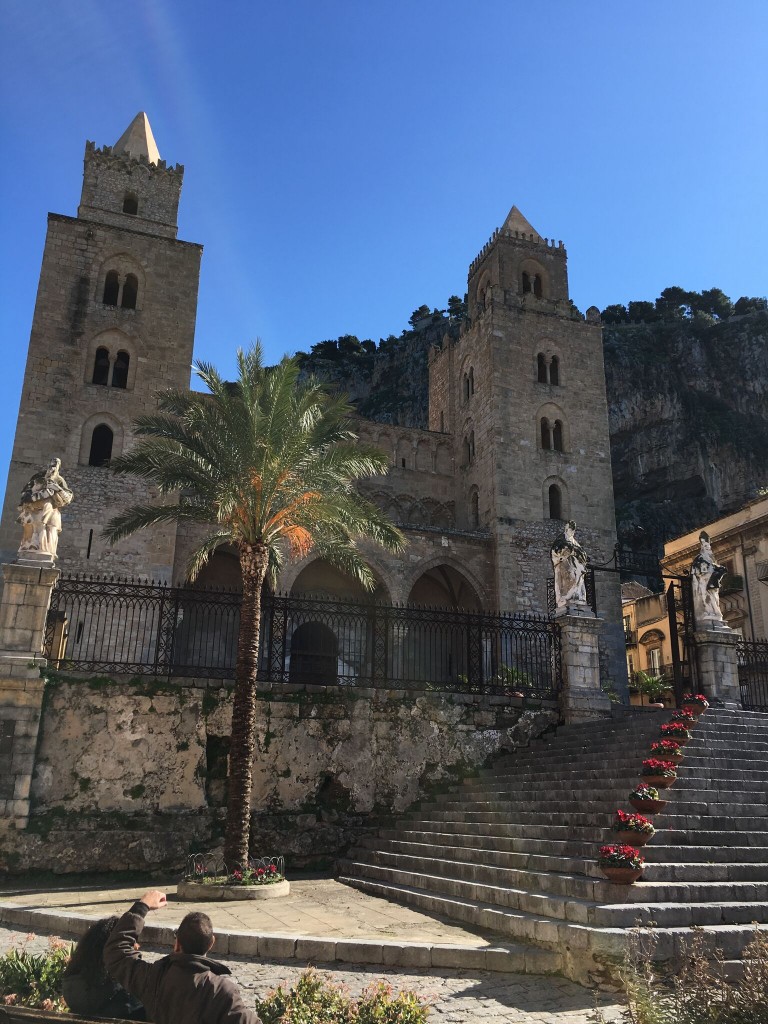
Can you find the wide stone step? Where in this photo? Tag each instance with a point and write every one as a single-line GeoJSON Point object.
{"type": "Point", "coordinates": [580, 939]}
{"type": "Point", "coordinates": [695, 762]}
{"type": "Point", "coordinates": [726, 847]}
{"type": "Point", "coordinates": [588, 883]}
{"type": "Point", "coordinates": [682, 796]}
{"type": "Point", "coordinates": [670, 904]}
{"type": "Point", "coordinates": [716, 819]}
{"type": "Point", "coordinates": [660, 867]}
{"type": "Point", "coordinates": [696, 829]}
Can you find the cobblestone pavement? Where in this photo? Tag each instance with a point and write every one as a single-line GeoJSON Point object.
{"type": "Point", "coordinates": [456, 997]}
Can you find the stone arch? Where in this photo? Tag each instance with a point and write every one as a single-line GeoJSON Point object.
{"type": "Point", "coordinates": [221, 570]}
{"type": "Point", "coordinates": [533, 279]}
{"type": "Point", "coordinates": [404, 453]}
{"type": "Point", "coordinates": [552, 424]}
{"type": "Point", "coordinates": [651, 636]}
{"type": "Point", "coordinates": [443, 459]}
{"type": "Point", "coordinates": [423, 568]}
{"type": "Point", "coordinates": [482, 292]}
{"type": "Point", "coordinates": [99, 419]}
{"type": "Point", "coordinates": [113, 341]}
{"type": "Point", "coordinates": [424, 457]}
{"type": "Point", "coordinates": [474, 508]}
{"type": "Point", "coordinates": [384, 441]}
{"type": "Point", "coordinates": [444, 586]}
{"type": "Point", "coordinates": [303, 576]}
{"type": "Point", "coordinates": [550, 500]}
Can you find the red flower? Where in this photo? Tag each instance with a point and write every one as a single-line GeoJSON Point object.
{"type": "Point", "coordinates": [695, 698]}
{"type": "Point", "coordinates": [675, 729]}
{"type": "Point", "coordinates": [632, 823]}
{"type": "Point", "coordinates": [666, 746]}
{"type": "Point", "coordinates": [272, 868]}
{"type": "Point", "coordinates": [237, 874]}
{"type": "Point", "coordinates": [260, 871]}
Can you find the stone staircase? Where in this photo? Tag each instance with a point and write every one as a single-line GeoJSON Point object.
{"type": "Point", "coordinates": [513, 850]}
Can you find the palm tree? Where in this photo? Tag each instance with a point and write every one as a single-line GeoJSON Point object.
{"type": "Point", "coordinates": [269, 464]}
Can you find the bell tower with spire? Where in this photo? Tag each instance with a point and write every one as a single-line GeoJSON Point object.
{"type": "Point", "coordinates": [522, 391]}
{"type": "Point", "coordinates": [114, 322]}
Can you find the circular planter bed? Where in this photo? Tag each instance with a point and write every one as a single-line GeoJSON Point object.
{"type": "Point", "coordinates": [648, 806]}
{"type": "Point", "coordinates": [210, 891]}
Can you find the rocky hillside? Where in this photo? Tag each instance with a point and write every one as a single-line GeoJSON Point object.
{"type": "Point", "coordinates": [688, 401]}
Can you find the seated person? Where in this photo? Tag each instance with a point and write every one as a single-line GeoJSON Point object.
{"type": "Point", "coordinates": [86, 986]}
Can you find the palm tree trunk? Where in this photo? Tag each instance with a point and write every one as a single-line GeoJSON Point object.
{"type": "Point", "coordinates": [253, 565]}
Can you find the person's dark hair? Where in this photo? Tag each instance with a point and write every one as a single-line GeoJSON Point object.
{"type": "Point", "coordinates": [87, 959]}
{"type": "Point", "coordinates": [195, 933]}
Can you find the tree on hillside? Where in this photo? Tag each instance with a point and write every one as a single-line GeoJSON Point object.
{"type": "Point", "coordinates": [267, 464]}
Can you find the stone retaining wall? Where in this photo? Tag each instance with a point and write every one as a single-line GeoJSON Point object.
{"type": "Point", "coordinates": [132, 773]}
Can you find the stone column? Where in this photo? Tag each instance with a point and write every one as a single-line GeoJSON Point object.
{"type": "Point", "coordinates": [582, 698]}
{"type": "Point", "coordinates": [23, 610]}
{"type": "Point", "coordinates": [718, 663]}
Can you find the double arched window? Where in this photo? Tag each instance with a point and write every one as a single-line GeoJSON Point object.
{"type": "Point", "coordinates": [109, 372]}
{"type": "Point", "coordinates": [551, 434]}
{"type": "Point", "coordinates": [532, 283]}
{"type": "Point", "coordinates": [117, 292]}
{"type": "Point", "coordinates": [547, 369]}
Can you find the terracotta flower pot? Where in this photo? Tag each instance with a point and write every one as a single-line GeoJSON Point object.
{"type": "Point", "coordinates": [697, 709]}
{"type": "Point", "coordinates": [658, 781]}
{"type": "Point", "coordinates": [632, 838]}
{"type": "Point", "coordinates": [682, 740]}
{"type": "Point", "coordinates": [648, 806]}
{"type": "Point", "coordinates": [621, 876]}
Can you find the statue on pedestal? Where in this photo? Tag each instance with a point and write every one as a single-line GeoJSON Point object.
{"type": "Point", "coordinates": [706, 578]}
{"type": "Point", "coordinates": [41, 499]}
{"type": "Point", "coordinates": [569, 561]}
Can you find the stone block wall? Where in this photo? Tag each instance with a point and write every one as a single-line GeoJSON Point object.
{"type": "Point", "coordinates": [132, 773]}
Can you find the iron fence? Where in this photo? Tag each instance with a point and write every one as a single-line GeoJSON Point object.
{"type": "Point", "coordinates": [121, 626]}
{"type": "Point", "coordinates": [753, 674]}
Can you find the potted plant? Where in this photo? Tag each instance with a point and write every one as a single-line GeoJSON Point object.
{"type": "Point", "coordinates": [677, 731]}
{"type": "Point", "coordinates": [632, 828]}
{"type": "Point", "coordinates": [209, 879]}
{"type": "Point", "coordinates": [620, 864]}
{"type": "Point", "coordinates": [696, 703]}
{"type": "Point", "coordinates": [669, 750]}
{"type": "Point", "coordinates": [651, 686]}
{"type": "Point", "coordinates": [658, 773]}
{"type": "Point", "coordinates": [684, 715]}
{"type": "Point", "coordinates": [646, 798]}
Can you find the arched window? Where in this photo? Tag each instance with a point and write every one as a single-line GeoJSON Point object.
{"type": "Point", "coordinates": [541, 366]}
{"type": "Point", "coordinates": [526, 282]}
{"type": "Point", "coordinates": [120, 371]}
{"type": "Point", "coordinates": [554, 371]}
{"type": "Point", "coordinates": [474, 512]}
{"type": "Point", "coordinates": [101, 367]}
{"type": "Point", "coordinates": [467, 452]}
{"type": "Point", "coordinates": [130, 291]}
{"type": "Point", "coordinates": [537, 289]}
{"type": "Point", "coordinates": [111, 288]}
{"type": "Point", "coordinates": [471, 379]}
{"type": "Point", "coordinates": [101, 445]}
{"type": "Point", "coordinates": [314, 655]}
{"type": "Point", "coordinates": [555, 502]}
{"type": "Point", "coordinates": [546, 437]}
{"type": "Point", "coordinates": [466, 387]}
{"type": "Point", "coordinates": [472, 446]}
{"type": "Point", "coordinates": [557, 436]}
{"type": "Point", "coordinates": [131, 203]}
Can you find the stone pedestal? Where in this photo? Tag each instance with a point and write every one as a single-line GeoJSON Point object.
{"type": "Point", "coordinates": [718, 663]}
{"type": "Point", "coordinates": [582, 699]}
{"type": "Point", "coordinates": [25, 601]}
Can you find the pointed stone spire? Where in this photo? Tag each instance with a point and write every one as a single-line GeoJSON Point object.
{"type": "Point", "coordinates": [516, 222]}
{"type": "Point", "coordinates": [138, 141]}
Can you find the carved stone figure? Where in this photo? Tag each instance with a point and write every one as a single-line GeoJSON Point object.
{"type": "Point", "coordinates": [39, 515]}
{"type": "Point", "coordinates": [569, 560]}
{"type": "Point", "coordinates": [706, 577]}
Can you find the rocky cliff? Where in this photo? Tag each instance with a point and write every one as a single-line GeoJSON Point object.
{"type": "Point", "coordinates": [688, 405]}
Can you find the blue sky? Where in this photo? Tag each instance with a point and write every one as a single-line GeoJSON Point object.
{"type": "Point", "coordinates": [345, 160]}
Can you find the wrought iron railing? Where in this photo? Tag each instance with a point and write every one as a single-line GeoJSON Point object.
{"type": "Point", "coordinates": [120, 626]}
{"type": "Point", "coordinates": [753, 674]}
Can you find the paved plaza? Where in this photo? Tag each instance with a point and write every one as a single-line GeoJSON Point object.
{"type": "Point", "coordinates": [328, 911]}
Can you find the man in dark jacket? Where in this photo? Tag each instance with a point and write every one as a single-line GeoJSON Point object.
{"type": "Point", "coordinates": [186, 987]}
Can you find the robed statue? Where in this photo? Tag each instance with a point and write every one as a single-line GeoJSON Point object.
{"type": "Point", "coordinates": [706, 578]}
{"type": "Point", "coordinates": [39, 510]}
{"type": "Point", "coordinates": [569, 561]}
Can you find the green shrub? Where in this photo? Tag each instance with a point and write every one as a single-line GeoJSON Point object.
{"type": "Point", "coordinates": [34, 979]}
{"type": "Point", "coordinates": [697, 993]}
{"type": "Point", "coordinates": [316, 1000]}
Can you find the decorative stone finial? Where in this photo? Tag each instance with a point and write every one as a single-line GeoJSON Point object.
{"type": "Point", "coordinates": [569, 561]}
{"type": "Point", "coordinates": [41, 499]}
{"type": "Point", "coordinates": [706, 578]}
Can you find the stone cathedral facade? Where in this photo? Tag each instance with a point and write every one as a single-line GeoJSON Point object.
{"type": "Point", "coordinates": [518, 422]}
